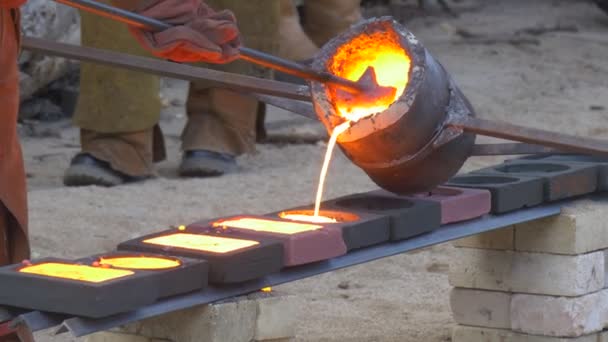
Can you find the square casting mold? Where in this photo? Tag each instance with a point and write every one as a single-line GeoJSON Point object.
{"type": "Point", "coordinates": [176, 275]}
{"type": "Point", "coordinates": [457, 204]}
{"type": "Point", "coordinates": [508, 193]}
{"type": "Point", "coordinates": [303, 243]}
{"type": "Point", "coordinates": [561, 179]}
{"type": "Point", "coordinates": [232, 258]}
{"type": "Point", "coordinates": [600, 162]}
{"type": "Point", "coordinates": [67, 287]}
{"type": "Point", "coordinates": [407, 217]}
{"type": "Point", "coordinates": [359, 229]}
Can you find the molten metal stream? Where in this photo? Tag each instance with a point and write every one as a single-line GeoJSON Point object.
{"type": "Point", "coordinates": [341, 128]}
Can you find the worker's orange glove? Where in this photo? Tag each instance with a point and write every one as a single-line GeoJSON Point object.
{"type": "Point", "coordinates": [11, 3]}
{"type": "Point", "coordinates": [200, 34]}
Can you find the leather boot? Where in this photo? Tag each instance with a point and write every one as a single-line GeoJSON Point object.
{"type": "Point", "coordinates": [110, 159]}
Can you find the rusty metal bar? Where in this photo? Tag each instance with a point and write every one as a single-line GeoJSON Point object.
{"type": "Point", "coordinates": [503, 130]}
{"type": "Point", "coordinates": [297, 107]}
{"type": "Point", "coordinates": [250, 55]}
{"type": "Point", "coordinates": [218, 79]}
{"type": "Point", "coordinates": [509, 149]}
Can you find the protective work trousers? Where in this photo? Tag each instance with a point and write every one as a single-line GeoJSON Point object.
{"type": "Point", "coordinates": [118, 111]}
{"type": "Point", "coordinates": [323, 20]}
{"type": "Point", "coordinates": [14, 245]}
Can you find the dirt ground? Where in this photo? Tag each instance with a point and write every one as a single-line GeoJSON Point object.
{"type": "Point", "coordinates": [552, 80]}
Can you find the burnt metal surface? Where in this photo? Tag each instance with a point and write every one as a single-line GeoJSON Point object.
{"type": "Point", "coordinates": [600, 162]}
{"type": "Point", "coordinates": [224, 268]}
{"type": "Point", "coordinates": [561, 179]}
{"type": "Point", "coordinates": [509, 193]}
{"type": "Point", "coordinates": [363, 230]}
{"type": "Point", "coordinates": [82, 326]}
{"type": "Point", "coordinates": [190, 275]}
{"type": "Point", "coordinates": [74, 297]}
{"type": "Point", "coordinates": [301, 248]}
{"type": "Point", "coordinates": [414, 152]}
{"type": "Point", "coordinates": [216, 78]}
{"type": "Point", "coordinates": [408, 217]}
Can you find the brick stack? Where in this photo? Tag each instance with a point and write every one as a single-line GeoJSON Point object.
{"type": "Point", "coordinates": [254, 318]}
{"type": "Point", "coordinates": [542, 281]}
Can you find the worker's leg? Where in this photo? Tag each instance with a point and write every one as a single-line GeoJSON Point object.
{"type": "Point", "coordinates": [222, 123]}
{"type": "Point", "coordinates": [326, 19]}
{"type": "Point", "coordinates": [14, 245]}
{"type": "Point", "coordinates": [4, 229]}
{"type": "Point", "coordinates": [294, 44]}
{"type": "Point", "coordinates": [117, 112]}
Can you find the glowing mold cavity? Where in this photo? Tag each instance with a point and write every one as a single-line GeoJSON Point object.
{"type": "Point", "coordinates": [82, 273]}
{"type": "Point", "coordinates": [203, 243]}
{"type": "Point", "coordinates": [269, 226]}
{"type": "Point", "coordinates": [380, 49]}
{"type": "Point", "coordinates": [324, 216]}
{"type": "Point", "coordinates": [140, 262]}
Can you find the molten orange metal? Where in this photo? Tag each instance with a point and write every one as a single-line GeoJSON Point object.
{"type": "Point", "coordinates": [307, 218]}
{"type": "Point", "coordinates": [75, 272]}
{"type": "Point", "coordinates": [206, 243]}
{"type": "Point", "coordinates": [140, 262]}
{"type": "Point", "coordinates": [341, 128]}
{"type": "Point", "coordinates": [270, 226]}
{"type": "Point", "coordinates": [383, 52]}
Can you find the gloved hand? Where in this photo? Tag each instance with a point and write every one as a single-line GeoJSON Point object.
{"type": "Point", "coordinates": [11, 3]}
{"type": "Point", "coordinates": [200, 34]}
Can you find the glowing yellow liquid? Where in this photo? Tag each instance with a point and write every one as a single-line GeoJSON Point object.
{"type": "Point", "coordinates": [206, 243]}
{"type": "Point", "coordinates": [308, 218]}
{"type": "Point", "coordinates": [75, 272]}
{"type": "Point", "coordinates": [280, 227]}
{"type": "Point", "coordinates": [140, 263]}
{"type": "Point", "coordinates": [341, 128]}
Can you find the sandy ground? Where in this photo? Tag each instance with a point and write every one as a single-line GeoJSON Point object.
{"type": "Point", "coordinates": [560, 84]}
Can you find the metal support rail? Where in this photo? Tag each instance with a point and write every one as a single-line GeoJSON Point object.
{"type": "Point", "coordinates": [80, 326]}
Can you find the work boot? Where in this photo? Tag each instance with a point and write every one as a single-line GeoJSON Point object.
{"type": "Point", "coordinates": [110, 159]}
{"type": "Point", "coordinates": [325, 19]}
{"type": "Point", "coordinates": [203, 163]}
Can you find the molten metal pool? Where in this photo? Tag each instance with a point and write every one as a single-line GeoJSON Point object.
{"type": "Point", "coordinates": [76, 272]}
{"type": "Point", "coordinates": [205, 243]}
{"type": "Point", "coordinates": [140, 262]}
{"type": "Point", "coordinates": [269, 226]}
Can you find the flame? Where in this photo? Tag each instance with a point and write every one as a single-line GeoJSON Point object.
{"type": "Point", "coordinates": [270, 226]}
{"type": "Point", "coordinates": [140, 262]}
{"type": "Point", "coordinates": [75, 272]}
{"type": "Point", "coordinates": [266, 289]}
{"type": "Point", "coordinates": [205, 243]}
{"type": "Point", "coordinates": [380, 50]}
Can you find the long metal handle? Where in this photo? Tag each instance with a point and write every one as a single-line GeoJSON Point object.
{"type": "Point", "coordinates": [250, 55]}
{"type": "Point", "coordinates": [503, 130]}
{"type": "Point", "coordinates": [155, 66]}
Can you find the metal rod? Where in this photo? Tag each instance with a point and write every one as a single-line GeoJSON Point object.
{"type": "Point", "coordinates": [218, 79]}
{"type": "Point", "coordinates": [250, 55]}
{"type": "Point", "coordinates": [82, 326]}
{"type": "Point", "coordinates": [559, 141]}
{"type": "Point", "coordinates": [508, 149]}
